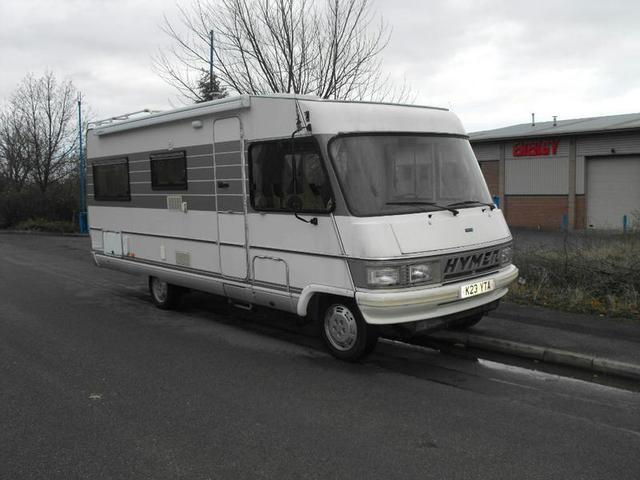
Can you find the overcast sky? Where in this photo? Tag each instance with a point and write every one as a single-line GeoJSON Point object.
{"type": "Point", "coordinates": [492, 62]}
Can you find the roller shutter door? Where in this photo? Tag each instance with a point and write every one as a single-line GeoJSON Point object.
{"type": "Point", "coordinates": [613, 190]}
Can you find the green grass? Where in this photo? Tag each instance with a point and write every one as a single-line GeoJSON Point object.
{"type": "Point", "coordinates": [599, 275]}
{"type": "Point", "coordinates": [43, 225]}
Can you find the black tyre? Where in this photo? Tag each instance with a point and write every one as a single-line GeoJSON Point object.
{"type": "Point", "coordinates": [466, 323]}
{"type": "Point", "coordinates": [346, 334]}
{"type": "Point", "coordinates": [163, 294]}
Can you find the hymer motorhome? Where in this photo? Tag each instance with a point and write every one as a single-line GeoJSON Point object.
{"type": "Point", "coordinates": [365, 217]}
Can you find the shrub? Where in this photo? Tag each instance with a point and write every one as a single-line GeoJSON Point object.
{"type": "Point", "coordinates": [44, 225]}
{"type": "Point", "coordinates": [58, 203]}
{"type": "Point", "coordinates": [591, 274]}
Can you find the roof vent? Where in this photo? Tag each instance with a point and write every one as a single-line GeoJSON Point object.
{"type": "Point", "coordinates": [555, 120]}
{"type": "Point", "coordinates": [533, 119]}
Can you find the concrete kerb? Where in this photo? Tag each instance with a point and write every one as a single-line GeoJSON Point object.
{"type": "Point", "coordinates": [543, 354]}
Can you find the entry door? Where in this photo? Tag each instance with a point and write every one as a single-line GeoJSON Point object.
{"type": "Point", "coordinates": [231, 201]}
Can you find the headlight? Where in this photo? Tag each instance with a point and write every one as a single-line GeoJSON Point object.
{"type": "Point", "coordinates": [383, 277]}
{"type": "Point", "coordinates": [506, 255]}
{"type": "Point", "coordinates": [423, 272]}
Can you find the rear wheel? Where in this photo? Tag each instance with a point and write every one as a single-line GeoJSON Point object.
{"type": "Point", "coordinates": [163, 294]}
{"type": "Point", "coordinates": [346, 334]}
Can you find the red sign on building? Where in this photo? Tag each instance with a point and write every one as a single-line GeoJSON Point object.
{"type": "Point", "coordinates": [533, 149]}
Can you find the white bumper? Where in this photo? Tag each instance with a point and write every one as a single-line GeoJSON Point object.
{"type": "Point", "coordinates": [411, 305]}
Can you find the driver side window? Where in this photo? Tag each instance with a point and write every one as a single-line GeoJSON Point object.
{"type": "Point", "coordinates": [288, 176]}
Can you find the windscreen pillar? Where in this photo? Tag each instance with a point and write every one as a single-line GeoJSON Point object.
{"type": "Point", "coordinates": [571, 204]}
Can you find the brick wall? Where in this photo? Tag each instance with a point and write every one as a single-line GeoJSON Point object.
{"type": "Point", "coordinates": [491, 175]}
{"type": "Point", "coordinates": [544, 211]}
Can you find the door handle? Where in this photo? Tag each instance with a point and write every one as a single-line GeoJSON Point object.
{"type": "Point", "coordinates": [223, 185]}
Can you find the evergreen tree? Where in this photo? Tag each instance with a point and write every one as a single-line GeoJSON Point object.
{"type": "Point", "coordinates": [208, 90]}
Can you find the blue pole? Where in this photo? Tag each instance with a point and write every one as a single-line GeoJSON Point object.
{"type": "Point", "coordinates": [82, 215]}
{"type": "Point", "coordinates": [625, 223]}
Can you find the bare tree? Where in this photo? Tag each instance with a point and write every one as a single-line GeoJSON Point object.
{"type": "Point", "coordinates": [42, 116]}
{"type": "Point", "coordinates": [280, 46]}
{"type": "Point", "coordinates": [15, 162]}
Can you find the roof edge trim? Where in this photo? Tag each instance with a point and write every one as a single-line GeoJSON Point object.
{"type": "Point", "coordinates": [200, 109]}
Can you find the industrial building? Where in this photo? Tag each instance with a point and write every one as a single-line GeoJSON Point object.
{"type": "Point", "coordinates": [573, 174]}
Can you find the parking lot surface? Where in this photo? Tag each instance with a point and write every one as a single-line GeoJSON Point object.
{"type": "Point", "coordinates": [98, 383]}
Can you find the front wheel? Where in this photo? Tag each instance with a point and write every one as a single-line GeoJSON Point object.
{"type": "Point", "coordinates": [163, 294]}
{"type": "Point", "coordinates": [346, 334]}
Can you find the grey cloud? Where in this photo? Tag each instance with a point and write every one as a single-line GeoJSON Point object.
{"type": "Point", "coordinates": [492, 61]}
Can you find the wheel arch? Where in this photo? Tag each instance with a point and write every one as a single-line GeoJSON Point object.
{"type": "Point", "coordinates": [312, 295]}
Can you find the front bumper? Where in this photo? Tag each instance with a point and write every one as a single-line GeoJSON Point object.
{"type": "Point", "coordinates": [412, 305]}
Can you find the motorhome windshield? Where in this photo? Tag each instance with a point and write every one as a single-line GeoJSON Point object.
{"type": "Point", "coordinates": [394, 174]}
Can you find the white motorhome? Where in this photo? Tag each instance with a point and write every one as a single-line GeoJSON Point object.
{"type": "Point", "coordinates": [364, 216]}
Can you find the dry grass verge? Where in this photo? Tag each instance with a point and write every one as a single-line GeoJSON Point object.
{"type": "Point", "coordinates": [583, 273]}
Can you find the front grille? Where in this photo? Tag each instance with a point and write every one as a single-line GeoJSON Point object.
{"type": "Point", "coordinates": [469, 264]}
{"type": "Point", "coordinates": [478, 274]}
{"type": "Point", "coordinates": [473, 273]}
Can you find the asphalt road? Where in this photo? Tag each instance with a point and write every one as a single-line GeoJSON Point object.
{"type": "Point", "coordinates": [96, 383]}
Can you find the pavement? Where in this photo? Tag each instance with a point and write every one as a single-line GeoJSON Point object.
{"type": "Point", "coordinates": [591, 342]}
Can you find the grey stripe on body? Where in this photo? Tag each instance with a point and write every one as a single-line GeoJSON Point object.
{"type": "Point", "coordinates": [197, 162]}
{"type": "Point", "coordinates": [228, 159]}
{"type": "Point", "coordinates": [225, 147]}
{"type": "Point", "coordinates": [230, 172]}
{"type": "Point", "coordinates": [196, 188]}
{"type": "Point", "coordinates": [159, 201]}
{"type": "Point", "coordinates": [201, 203]}
{"type": "Point", "coordinates": [142, 170]}
{"type": "Point", "coordinates": [234, 187]}
{"type": "Point", "coordinates": [206, 149]}
{"type": "Point", "coordinates": [141, 176]}
{"type": "Point", "coordinates": [230, 203]}
{"type": "Point", "coordinates": [200, 174]}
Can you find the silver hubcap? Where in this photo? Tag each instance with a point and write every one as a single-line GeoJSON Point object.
{"type": "Point", "coordinates": [341, 327]}
{"type": "Point", "coordinates": [160, 289]}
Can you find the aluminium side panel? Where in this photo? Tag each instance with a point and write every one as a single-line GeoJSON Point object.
{"type": "Point", "coordinates": [150, 231]}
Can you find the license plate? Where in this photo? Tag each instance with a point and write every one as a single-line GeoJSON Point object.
{"type": "Point", "coordinates": [476, 288]}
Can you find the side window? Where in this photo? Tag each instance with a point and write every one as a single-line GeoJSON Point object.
{"type": "Point", "coordinates": [111, 180]}
{"type": "Point", "coordinates": [169, 171]}
{"type": "Point", "coordinates": [289, 176]}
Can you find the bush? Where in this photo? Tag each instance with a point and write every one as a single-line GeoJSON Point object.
{"type": "Point", "coordinates": [44, 225]}
{"type": "Point", "coordinates": [58, 203]}
{"type": "Point", "coordinates": [587, 274]}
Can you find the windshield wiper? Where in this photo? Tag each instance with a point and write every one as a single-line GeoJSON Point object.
{"type": "Point", "coordinates": [471, 202]}
{"type": "Point", "coordinates": [431, 204]}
